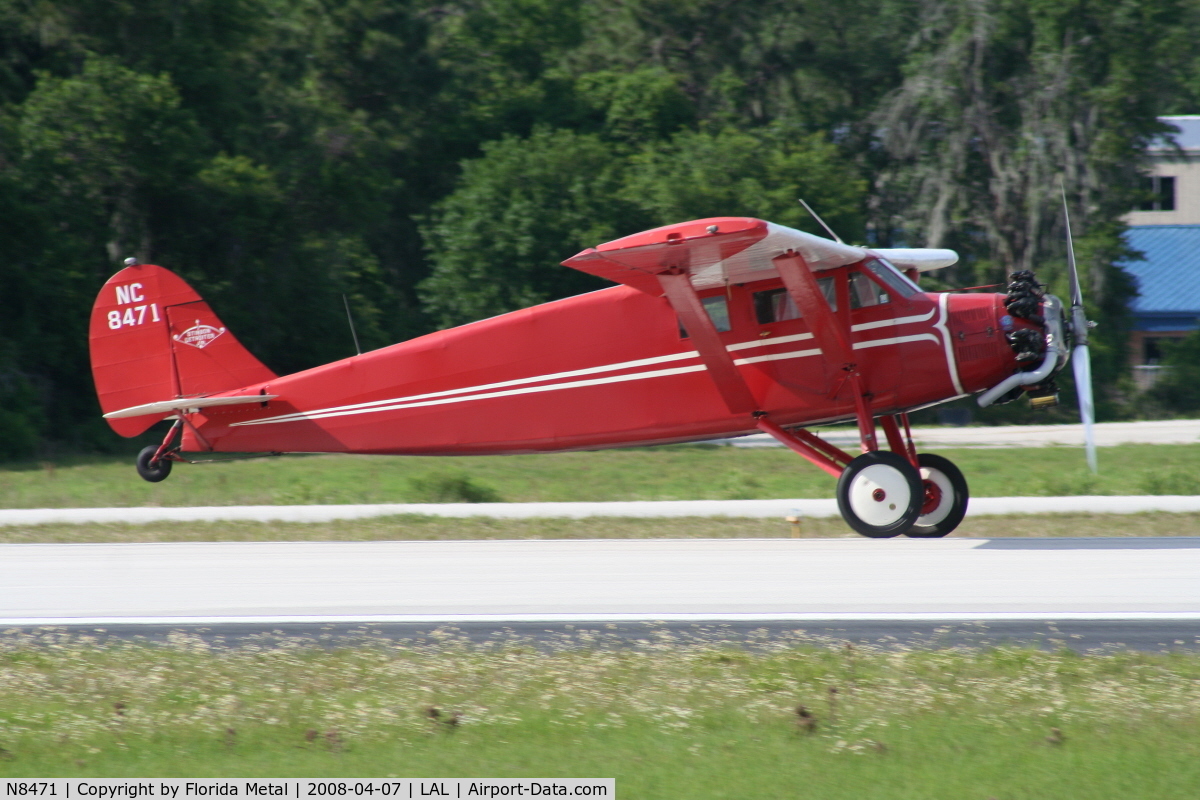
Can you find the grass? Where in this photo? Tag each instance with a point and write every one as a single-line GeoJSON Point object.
{"type": "Point", "coordinates": [666, 718]}
{"type": "Point", "coordinates": [666, 473]}
{"type": "Point", "coordinates": [416, 527]}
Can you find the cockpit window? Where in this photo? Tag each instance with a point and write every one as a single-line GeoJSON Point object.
{"type": "Point", "coordinates": [718, 312]}
{"type": "Point", "coordinates": [865, 292]}
{"type": "Point", "coordinates": [893, 278]}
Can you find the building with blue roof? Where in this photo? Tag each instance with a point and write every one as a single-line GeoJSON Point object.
{"type": "Point", "coordinates": [1166, 230]}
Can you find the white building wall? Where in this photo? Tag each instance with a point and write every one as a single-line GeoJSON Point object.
{"type": "Point", "coordinates": [1187, 191]}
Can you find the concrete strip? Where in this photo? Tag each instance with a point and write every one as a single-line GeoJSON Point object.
{"type": "Point", "coordinates": [646, 578]}
{"type": "Point", "coordinates": [979, 506]}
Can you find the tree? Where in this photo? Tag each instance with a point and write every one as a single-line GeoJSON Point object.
{"type": "Point", "coordinates": [519, 210]}
{"type": "Point", "coordinates": [1178, 390]}
{"type": "Point", "coordinates": [1003, 102]}
{"type": "Point", "coordinates": [699, 174]}
{"type": "Point", "coordinates": [89, 159]}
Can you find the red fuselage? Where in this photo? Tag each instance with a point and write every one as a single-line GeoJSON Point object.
{"type": "Point", "coordinates": [614, 368]}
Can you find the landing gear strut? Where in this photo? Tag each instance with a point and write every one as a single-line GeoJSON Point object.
{"type": "Point", "coordinates": [884, 493]}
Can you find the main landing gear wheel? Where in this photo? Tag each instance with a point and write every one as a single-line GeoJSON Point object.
{"type": "Point", "coordinates": [151, 470]}
{"type": "Point", "coordinates": [945, 502]}
{"type": "Point", "coordinates": [880, 494]}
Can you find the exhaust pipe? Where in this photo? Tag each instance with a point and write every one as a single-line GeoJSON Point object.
{"type": "Point", "coordinates": [1056, 352]}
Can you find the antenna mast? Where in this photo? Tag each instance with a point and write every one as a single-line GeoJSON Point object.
{"type": "Point", "coordinates": [350, 319]}
{"type": "Point", "coordinates": [821, 222]}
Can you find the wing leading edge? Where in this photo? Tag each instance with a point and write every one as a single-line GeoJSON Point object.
{"type": "Point", "coordinates": [723, 250]}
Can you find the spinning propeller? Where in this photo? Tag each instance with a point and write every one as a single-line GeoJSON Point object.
{"type": "Point", "coordinates": [1081, 361]}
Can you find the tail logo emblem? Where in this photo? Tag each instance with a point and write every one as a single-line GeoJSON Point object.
{"type": "Point", "coordinates": [200, 336]}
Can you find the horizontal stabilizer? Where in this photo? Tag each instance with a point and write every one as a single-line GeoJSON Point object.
{"type": "Point", "coordinates": [183, 403]}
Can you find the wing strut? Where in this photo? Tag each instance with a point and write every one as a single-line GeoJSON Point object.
{"type": "Point", "coordinates": [677, 285]}
{"type": "Point", "coordinates": [831, 334]}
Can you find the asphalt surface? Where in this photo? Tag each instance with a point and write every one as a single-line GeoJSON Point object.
{"type": "Point", "coordinates": [1082, 594]}
{"type": "Point", "coordinates": [1158, 634]}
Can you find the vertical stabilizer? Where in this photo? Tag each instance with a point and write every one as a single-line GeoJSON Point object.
{"type": "Point", "coordinates": [153, 339]}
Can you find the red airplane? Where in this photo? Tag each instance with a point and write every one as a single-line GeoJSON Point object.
{"type": "Point", "coordinates": [721, 327]}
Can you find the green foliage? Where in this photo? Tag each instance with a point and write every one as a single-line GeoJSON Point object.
{"type": "Point", "coordinates": [758, 174]}
{"type": "Point", "coordinates": [666, 473]}
{"type": "Point", "coordinates": [1171, 482]}
{"type": "Point", "coordinates": [696, 713]}
{"type": "Point", "coordinates": [528, 203]}
{"type": "Point", "coordinates": [522, 207]}
{"type": "Point", "coordinates": [450, 487]}
{"type": "Point", "coordinates": [22, 416]}
{"type": "Point", "coordinates": [646, 104]}
{"type": "Point", "coordinates": [434, 162]}
{"type": "Point", "coordinates": [1179, 389]}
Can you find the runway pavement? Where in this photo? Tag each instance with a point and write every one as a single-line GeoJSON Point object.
{"type": "Point", "coordinates": [600, 580]}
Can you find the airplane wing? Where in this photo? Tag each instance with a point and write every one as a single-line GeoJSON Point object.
{"type": "Point", "coordinates": [182, 403]}
{"type": "Point", "coordinates": [714, 252]}
{"type": "Point", "coordinates": [921, 259]}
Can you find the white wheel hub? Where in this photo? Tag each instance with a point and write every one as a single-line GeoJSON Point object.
{"type": "Point", "coordinates": [945, 505]}
{"type": "Point", "coordinates": [879, 495]}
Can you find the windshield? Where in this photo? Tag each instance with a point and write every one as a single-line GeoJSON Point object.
{"type": "Point", "coordinates": [892, 277]}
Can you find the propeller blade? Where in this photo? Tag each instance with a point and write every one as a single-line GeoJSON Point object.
{"type": "Point", "coordinates": [1072, 269]}
{"type": "Point", "coordinates": [1080, 356]}
{"type": "Point", "coordinates": [1082, 363]}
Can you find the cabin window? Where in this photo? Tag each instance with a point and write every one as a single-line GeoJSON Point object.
{"type": "Point", "coordinates": [891, 277]}
{"type": "Point", "coordinates": [830, 292]}
{"type": "Point", "coordinates": [776, 305]}
{"type": "Point", "coordinates": [865, 292]}
{"type": "Point", "coordinates": [718, 311]}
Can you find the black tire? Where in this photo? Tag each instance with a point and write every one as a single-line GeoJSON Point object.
{"type": "Point", "coordinates": [153, 471]}
{"type": "Point", "coordinates": [949, 491]}
{"type": "Point", "coordinates": [880, 494]}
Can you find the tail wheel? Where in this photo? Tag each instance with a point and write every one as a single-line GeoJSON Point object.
{"type": "Point", "coordinates": [151, 470]}
{"type": "Point", "coordinates": [880, 494]}
{"type": "Point", "coordinates": [945, 498]}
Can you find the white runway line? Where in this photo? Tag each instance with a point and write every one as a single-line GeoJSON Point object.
{"type": "Point", "coordinates": [979, 506]}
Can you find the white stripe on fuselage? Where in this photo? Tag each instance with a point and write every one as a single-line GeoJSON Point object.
{"type": "Point", "coordinates": [951, 362]}
{"type": "Point", "coordinates": [887, 323]}
{"type": "Point", "coordinates": [489, 390]}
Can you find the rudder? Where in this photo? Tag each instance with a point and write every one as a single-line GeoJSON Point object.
{"type": "Point", "coordinates": [152, 338]}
